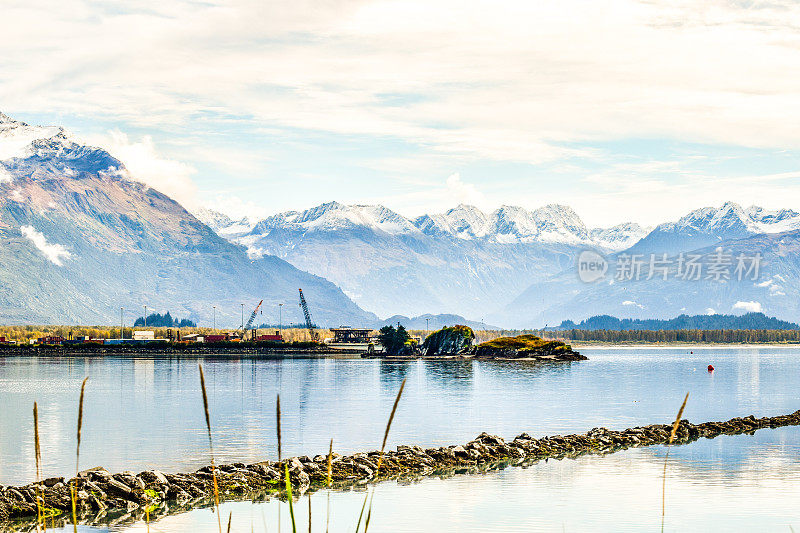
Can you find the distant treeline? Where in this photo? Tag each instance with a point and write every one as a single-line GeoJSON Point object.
{"type": "Point", "coordinates": [157, 320]}
{"type": "Point", "coordinates": [682, 335]}
{"type": "Point", "coordinates": [748, 322]}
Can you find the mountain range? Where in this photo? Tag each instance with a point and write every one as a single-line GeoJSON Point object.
{"type": "Point", "coordinates": [517, 267]}
{"type": "Point", "coordinates": [683, 322]}
{"type": "Point", "coordinates": [80, 239]}
{"type": "Point", "coordinates": [463, 260]}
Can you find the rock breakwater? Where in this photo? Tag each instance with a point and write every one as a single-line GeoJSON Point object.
{"type": "Point", "coordinates": [103, 497]}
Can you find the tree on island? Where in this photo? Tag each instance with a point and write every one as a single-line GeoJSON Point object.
{"type": "Point", "coordinates": [396, 341]}
{"type": "Point", "coordinates": [158, 320]}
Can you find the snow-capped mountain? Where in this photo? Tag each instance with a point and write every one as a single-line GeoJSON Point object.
{"type": "Point", "coordinates": [507, 225]}
{"type": "Point", "coordinates": [710, 225]}
{"type": "Point", "coordinates": [619, 237]}
{"type": "Point", "coordinates": [80, 238]}
{"type": "Point", "coordinates": [459, 260]}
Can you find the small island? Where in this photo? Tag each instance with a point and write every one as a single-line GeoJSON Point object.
{"type": "Point", "coordinates": [460, 342]}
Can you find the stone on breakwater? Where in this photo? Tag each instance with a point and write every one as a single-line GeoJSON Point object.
{"type": "Point", "coordinates": [126, 495]}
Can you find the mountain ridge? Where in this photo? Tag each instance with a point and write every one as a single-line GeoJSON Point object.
{"type": "Point", "coordinates": [80, 239]}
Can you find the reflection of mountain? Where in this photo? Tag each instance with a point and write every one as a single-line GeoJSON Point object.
{"type": "Point", "coordinates": [79, 239]}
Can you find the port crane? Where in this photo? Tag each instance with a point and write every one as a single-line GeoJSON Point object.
{"type": "Point", "coordinates": [307, 314]}
{"type": "Point", "coordinates": [250, 320]}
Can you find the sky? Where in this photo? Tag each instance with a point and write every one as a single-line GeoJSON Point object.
{"type": "Point", "coordinates": [624, 110]}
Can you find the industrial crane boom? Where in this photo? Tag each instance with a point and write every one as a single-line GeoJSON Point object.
{"type": "Point", "coordinates": [307, 314]}
{"type": "Point", "coordinates": [252, 316]}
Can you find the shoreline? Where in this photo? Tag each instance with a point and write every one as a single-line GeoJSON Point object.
{"type": "Point", "coordinates": [125, 497]}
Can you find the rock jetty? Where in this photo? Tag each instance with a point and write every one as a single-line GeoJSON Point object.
{"type": "Point", "coordinates": [104, 497]}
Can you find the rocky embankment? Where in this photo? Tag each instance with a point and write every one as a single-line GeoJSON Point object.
{"type": "Point", "coordinates": [112, 498]}
{"type": "Point", "coordinates": [526, 347]}
{"type": "Point", "coordinates": [459, 341]}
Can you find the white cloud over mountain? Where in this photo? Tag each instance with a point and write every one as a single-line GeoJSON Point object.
{"type": "Point", "coordinates": [459, 82]}
{"type": "Point", "coordinates": [55, 253]}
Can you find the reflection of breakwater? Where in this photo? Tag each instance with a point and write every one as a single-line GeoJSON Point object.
{"type": "Point", "coordinates": [104, 498]}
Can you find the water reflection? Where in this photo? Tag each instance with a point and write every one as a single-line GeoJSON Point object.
{"type": "Point", "coordinates": [147, 412]}
{"type": "Point", "coordinates": [620, 492]}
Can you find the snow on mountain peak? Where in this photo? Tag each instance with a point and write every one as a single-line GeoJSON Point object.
{"type": "Point", "coordinates": [17, 137]}
{"type": "Point", "coordinates": [732, 218]}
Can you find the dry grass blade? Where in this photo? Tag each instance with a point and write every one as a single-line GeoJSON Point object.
{"type": "Point", "coordinates": [210, 446]}
{"type": "Point", "coordinates": [678, 419]}
{"type": "Point", "coordinates": [74, 488]}
{"type": "Point", "coordinates": [38, 454]}
{"type": "Point", "coordinates": [288, 480]}
{"type": "Point", "coordinates": [672, 433]}
{"type": "Point", "coordinates": [278, 415]}
{"type": "Point", "coordinates": [380, 457]}
{"type": "Point", "coordinates": [330, 464]}
{"type": "Point", "coordinates": [230, 515]}
{"type": "Point", "coordinates": [361, 514]}
{"type": "Point", "coordinates": [309, 513]}
{"type": "Point", "coordinates": [389, 425]}
{"type": "Point", "coordinates": [330, 478]}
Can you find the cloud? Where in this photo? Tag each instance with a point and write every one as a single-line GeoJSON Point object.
{"type": "Point", "coordinates": [710, 311]}
{"type": "Point", "coordinates": [749, 307]}
{"type": "Point", "coordinates": [53, 252]}
{"type": "Point", "coordinates": [236, 208]}
{"type": "Point", "coordinates": [5, 176]}
{"type": "Point", "coordinates": [454, 79]}
{"type": "Point", "coordinates": [631, 302]}
{"type": "Point", "coordinates": [146, 165]}
{"type": "Point", "coordinates": [463, 193]}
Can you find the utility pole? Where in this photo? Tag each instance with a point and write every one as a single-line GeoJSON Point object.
{"type": "Point", "coordinates": [280, 316]}
{"type": "Point", "coordinates": [215, 319]}
{"type": "Point", "coordinates": [145, 317]}
{"type": "Point", "coordinates": [121, 324]}
{"type": "Point", "coordinates": [242, 321]}
{"type": "Point", "coordinates": [426, 326]}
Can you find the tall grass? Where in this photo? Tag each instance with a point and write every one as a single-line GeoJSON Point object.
{"type": "Point", "coordinates": [328, 480]}
{"type": "Point", "coordinates": [666, 458]}
{"type": "Point", "coordinates": [74, 488]}
{"type": "Point", "coordinates": [287, 480]}
{"type": "Point", "coordinates": [38, 453]}
{"type": "Point", "coordinates": [380, 462]}
{"type": "Point", "coordinates": [210, 445]}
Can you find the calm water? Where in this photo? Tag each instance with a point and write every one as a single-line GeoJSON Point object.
{"type": "Point", "coordinates": [146, 413]}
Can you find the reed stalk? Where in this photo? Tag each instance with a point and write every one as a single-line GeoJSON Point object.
{"type": "Point", "coordinates": [210, 446]}
{"type": "Point", "coordinates": [672, 433]}
{"type": "Point", "coordinates": [74, 488]}
{"type": "Point", "coordinates": [38, 454]}
{"type": "Point", "coordinates": [330, 478]}
{"type": "Point", "coordinates": [380, 461]}
{"type": "Point", "coordinates": [287, 479]}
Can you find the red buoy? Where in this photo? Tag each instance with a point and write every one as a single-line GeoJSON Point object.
{"type": "Point", "coordinates": [710, 368]}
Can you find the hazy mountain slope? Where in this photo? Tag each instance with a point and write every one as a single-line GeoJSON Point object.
{"type": "Point", "coordinates": [463, 261]}
{"type": "Point", "coordinates": [776, 291]}
{"type": "Point", "coordinates": [79, 240]}
{"type": "Point", "coordinates": [709, 226]}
